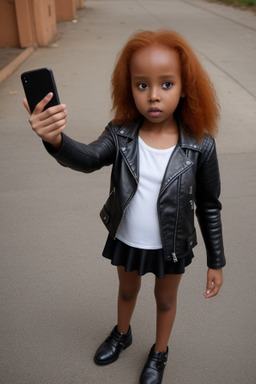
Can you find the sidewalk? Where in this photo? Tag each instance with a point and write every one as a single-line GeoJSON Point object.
{"type": "Point", "coordinates": [58, 295]}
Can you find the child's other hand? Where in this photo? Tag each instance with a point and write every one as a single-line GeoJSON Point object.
{"type": "Point", "coordinates": [214, 282]}
{"type": "Point", "coordinates": [50, 123]}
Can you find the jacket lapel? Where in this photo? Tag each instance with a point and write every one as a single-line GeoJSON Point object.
{"type": "Point", "coordinates": [179, 162]}
{"type": "Point", "coordinates": [127, 137]}
{"type": "Point", "coordinates": [177, 165]}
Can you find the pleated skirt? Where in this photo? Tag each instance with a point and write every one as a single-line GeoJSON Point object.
{"type": "Point", "coordinates": [143, 260]}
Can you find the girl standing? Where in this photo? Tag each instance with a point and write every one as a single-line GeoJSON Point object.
{"type": "Point", "coordinates": [161, 148]}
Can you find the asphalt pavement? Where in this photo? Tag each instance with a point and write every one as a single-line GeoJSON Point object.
{"type": "Point", "coordinates": [57, 293]}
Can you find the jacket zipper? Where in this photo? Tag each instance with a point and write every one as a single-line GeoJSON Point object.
{"type": "Point", "coordinates": [174, 256]}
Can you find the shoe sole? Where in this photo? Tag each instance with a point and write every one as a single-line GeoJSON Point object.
{"type": "Point", "coordinates": [114, 359]}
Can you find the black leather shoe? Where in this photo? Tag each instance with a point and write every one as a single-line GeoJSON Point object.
{"type": "Point", "coordinates": [153, 370]}
{"type": "Point", "coordinates": [110, 349]}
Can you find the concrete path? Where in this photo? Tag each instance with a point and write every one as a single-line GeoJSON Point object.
{"type": "Point", "coordinates": [58, 295]}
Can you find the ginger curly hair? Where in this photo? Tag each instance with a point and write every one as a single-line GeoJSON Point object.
{"type": "Point", "coordinates": [198, 110]}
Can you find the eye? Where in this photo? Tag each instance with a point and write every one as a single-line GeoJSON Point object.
{"type": "Point", "coordinates": [142, 86]}
{"type": "Point", "coordinates": [167, 85]}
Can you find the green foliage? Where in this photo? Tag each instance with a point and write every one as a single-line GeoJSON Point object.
{"type": "Point", "coordinates": [249, 3]}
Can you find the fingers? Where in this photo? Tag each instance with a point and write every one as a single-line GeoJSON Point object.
{"type": "Point", "coordinates": [40, 106]}
{"type": "Point", "coordinates": [48, 124]}
{"type": "Point", "coordinates": [51, 125]}
{"type": "Point", "coordinates": [214, 282]}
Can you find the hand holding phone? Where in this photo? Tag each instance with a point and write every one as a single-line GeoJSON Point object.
{"type": "Point", "coordinates": [37, 84]}
{"type": "Point", "coordinates": [41, 91]}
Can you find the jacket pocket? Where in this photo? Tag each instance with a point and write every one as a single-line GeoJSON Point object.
{"type": "Point", "coordinates": [191, 241]}
{"type": "Point", "coordinates": [104, 215]}
{"type": "Point", "coordinates": [108, 208]}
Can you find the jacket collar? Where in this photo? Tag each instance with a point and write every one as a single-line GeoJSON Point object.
{"type": "Point", "coordinates": [178, 163]}
{"type": "Point", "coordinates": [187, 140]}
{"type": "Point", "coordinates": [130, 132]}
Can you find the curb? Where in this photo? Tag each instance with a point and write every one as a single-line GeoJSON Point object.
{"type": "Point", "coordinates": [13, 65]}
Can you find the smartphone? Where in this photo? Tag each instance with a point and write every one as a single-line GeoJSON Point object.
{"type": "Point", "coordinates": [37, 84]}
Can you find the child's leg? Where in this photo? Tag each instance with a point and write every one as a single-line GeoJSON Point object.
{"type": "Point", "coordinates": [166, 290]}
{"type": "Point", "coordinates": [121, 336]}
{"type": "Point", "coordinates": [129, 286]}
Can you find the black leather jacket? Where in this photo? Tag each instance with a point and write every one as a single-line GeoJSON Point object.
{"type": "Point", "coordinates": [192, 176]}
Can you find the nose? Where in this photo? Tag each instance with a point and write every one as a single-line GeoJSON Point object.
{"type": "Point", "coordinates": [153, 94]}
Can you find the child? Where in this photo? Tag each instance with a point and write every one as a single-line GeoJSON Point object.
{"type": "Point", "coordinates": [161, 147]}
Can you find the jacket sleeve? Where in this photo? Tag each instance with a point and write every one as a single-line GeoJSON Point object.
{"type": "Point", "coordinates": [208, 209]}
{"type": "Point", "coordinates": [85, 157]}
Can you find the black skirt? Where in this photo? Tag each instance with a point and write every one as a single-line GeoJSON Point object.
{"type": "Point", "coordinates": [143, 260]}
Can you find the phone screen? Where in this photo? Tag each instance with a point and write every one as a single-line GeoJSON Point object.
{"type": "Point", "coordinates": [37, 84]}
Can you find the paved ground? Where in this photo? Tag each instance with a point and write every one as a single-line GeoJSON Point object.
{"type": "Point", "coordinates": [7, 55]}
{"type": "Point", "coordinates": [57, 292]}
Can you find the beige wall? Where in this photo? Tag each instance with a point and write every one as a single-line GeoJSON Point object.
{"type": "Point", "coordinates": [9, 35]}
{"type": "Point", "coordinates": [27, 23]}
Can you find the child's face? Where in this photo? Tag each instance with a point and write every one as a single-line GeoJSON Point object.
{"type": "Point", "coordinates": [156, 83]}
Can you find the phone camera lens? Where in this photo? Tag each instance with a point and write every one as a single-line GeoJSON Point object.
{"type": "Point", "coordinates": [25, 79]}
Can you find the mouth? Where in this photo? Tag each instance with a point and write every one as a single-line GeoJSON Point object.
{"type": "Point", "coordinates": [154, 112]}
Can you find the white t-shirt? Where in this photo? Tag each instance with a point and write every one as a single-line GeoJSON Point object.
{"type": "Point", "coordinates": [140, 226]}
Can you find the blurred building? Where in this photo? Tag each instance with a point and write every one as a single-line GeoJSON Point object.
{"type": "Point", "coordinates": [31, 23]}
